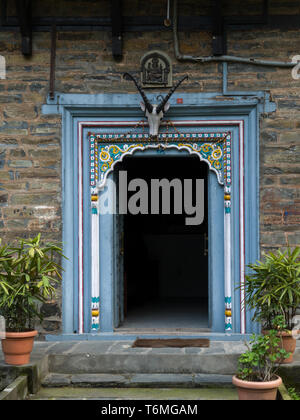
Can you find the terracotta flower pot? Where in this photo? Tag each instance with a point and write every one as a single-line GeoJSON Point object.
{"type": "Point", "coordinates": [17, 347]}
{"type": "Point", "coordinates": [257, 390]}
{"type": "Point", "coordinates": [288, 343]}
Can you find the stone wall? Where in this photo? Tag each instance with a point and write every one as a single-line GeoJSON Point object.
{"type": "Point", "coordinates": [30, 149]}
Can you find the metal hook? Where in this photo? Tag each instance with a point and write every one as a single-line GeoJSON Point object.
{"type": "Point", "coordinates": [167, 21]}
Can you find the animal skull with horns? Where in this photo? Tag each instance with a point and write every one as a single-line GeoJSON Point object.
{"type": "Point", "coordinates": [154, 113]}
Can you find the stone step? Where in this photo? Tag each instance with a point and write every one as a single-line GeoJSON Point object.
{"type": "Point", "coordinates": [154, 362]}
{"type": "Point", "coordinates": [121, 358]}
{"type": "Point", "coordinates": [146, 394]}
{"type": "Point", "coordinates": [154, 380]}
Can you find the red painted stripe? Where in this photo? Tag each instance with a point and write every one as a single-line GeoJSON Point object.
{"type": "Point", "coordinates": [191, 123]}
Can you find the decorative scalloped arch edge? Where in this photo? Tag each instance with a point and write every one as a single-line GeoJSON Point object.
{"type": "Point", "coordinates": [99, 178]}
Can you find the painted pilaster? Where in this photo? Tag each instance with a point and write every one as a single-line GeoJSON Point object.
{"type": "Point", "coordinates": [227, 233]}
{"type": "Point", "coordinates": [95, 298]}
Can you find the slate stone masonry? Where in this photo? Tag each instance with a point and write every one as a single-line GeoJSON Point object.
{"type": "Point", "coordinates": [30, 142]}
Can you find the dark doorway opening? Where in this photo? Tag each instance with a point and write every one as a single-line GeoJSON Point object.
{"type": "Point", "coordinates": [165, 261]}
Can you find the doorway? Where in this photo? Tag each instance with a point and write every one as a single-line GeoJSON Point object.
{"type": "Point", "coordinates": [163, 280]}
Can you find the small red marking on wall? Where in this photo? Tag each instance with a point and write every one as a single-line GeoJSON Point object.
{"type": "Point", "coordinates": [179, 100]}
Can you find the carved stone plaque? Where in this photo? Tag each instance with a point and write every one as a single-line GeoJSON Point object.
{"type": "Point", "coordinates": [156, 70]}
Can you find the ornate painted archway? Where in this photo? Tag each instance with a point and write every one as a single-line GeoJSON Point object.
{"type": "Point", "coordinates": [106, 150]}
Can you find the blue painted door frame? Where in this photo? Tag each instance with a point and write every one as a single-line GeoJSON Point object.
{"type": "Point", "coordinates": [81, 109]}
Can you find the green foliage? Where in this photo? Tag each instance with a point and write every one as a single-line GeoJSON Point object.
{"type": "Point", "coordinates": [262, 359]}
{"type": "Point", "coordinates": [273, 287]}
{"type": "Point", "coordinates": [293, 394]}
{"type": "Point", "coordinates": [29, 272]}
{"type": "Point", "coordinates": [278, 323]}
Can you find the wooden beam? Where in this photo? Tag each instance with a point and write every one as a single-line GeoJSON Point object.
{"type": "Point", "coordinates": [219, 42]}
{"type": "Point", "coordinates": [265, 12]}
{"type": "Point", "coordinates": [117, 29]}
{"type": "Point", "coordinates": [3, 12]}
{"type": "Point", "coordinates": [24, 11]}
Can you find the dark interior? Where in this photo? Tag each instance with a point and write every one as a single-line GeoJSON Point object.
{"type": "Point", "coordinates": [165, 260]}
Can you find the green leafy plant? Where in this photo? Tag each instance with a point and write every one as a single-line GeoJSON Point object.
{"type": "Point", "coordinates": [293, 394]}
{"type": "Point", "coordinates": [262, 359]}
{"type": "Point", "coordinates": [278, 323]}
{"type": "Point", "coordinates": [29, 272]}
{"type": "Point", "coordinates": [273, 287]}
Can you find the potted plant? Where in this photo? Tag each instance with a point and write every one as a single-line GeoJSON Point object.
{"type": "Point", "coordinates": [28, 274]}
{"type": "Point", "coordinates": [256, 378]}
{"type": "Point", "coordinates": [272, 289]}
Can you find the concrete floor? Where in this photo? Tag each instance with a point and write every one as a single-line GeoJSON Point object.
{"type": "Point", "coordinates": [168, 314]}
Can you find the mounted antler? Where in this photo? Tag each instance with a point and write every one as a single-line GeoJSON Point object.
{"type": "Point", "coordinates": [154, 113]}
{"type": "Point", "coordinates": [148, 105]}
{"type": "Point", "coordinates": [161, 106]}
